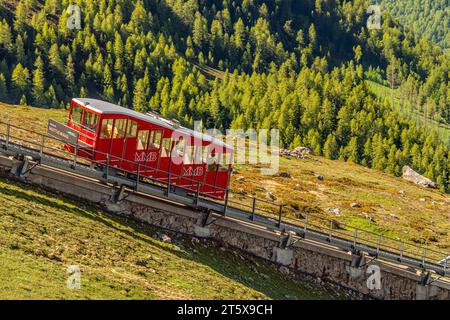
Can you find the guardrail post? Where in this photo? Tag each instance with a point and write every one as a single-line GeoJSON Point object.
{"type": "Point", "coordinates": [424, 254]}
{"type": "Point", "coordinates": [168, 184]}
{"type": "Point", "coordinates": [107, 166]}
{"type": "Point", "coordinates": [8, 132]}
{"type": "Point", "coordinates": [306, 224]}
{"type": "Point", "coordinates": [331, 230]}
{"type": "Point", "coordinates": [280, 212]}
{"type": "Point", "coordinates": [225, 207]}
{"type": "Point", "coordinates": [253, 208]}
{"type": "Point", "coordinates": [355, 237]}
{"type": "Point", "coordinates": [445, 266]}
{"type": "Point", "coordinates": [41, 146]}
{"type": "Point", "coordinates": [379, 244]}
{"type": "Point", "coordinates": [401, 250]}
{"type": "Point", "coordinates": [138, 175]}
{"type": "Point", "coordinates": [197, 193]}
{"type": "Point", "coordinates": [75, 157]}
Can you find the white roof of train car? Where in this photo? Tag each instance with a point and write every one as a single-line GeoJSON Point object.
{"type": "Point", "coordinates": [104, 107]}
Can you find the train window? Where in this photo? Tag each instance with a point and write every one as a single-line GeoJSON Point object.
{"type": "Point", "coordinates": [224, 162]}
{"type": "Point", "coordinates": [188, 155]}
{"type": "Point", "coordinates": [90, 120]}
{"type": "Point", "coordinates": [179, 147]}
{"type": "Point", "coordinates": [155, 139]}
{"type": "Point", "coordinates": [212, 161]}
{"type": "Point", "coordinates": [119, 128]}
{"type": "Point", "coordinates": [142, 139]}
{"type": "Point", "coordinates": [205, 154]}
{"type": "Point", "coordinates": [77, 113]}
{"type": "Point", "coordinates": [198, 155]}
{"type": "Point", "coordinates": [107, 129]}
{"type": "Point", "coordinates": [166, 146]}
{"type": "Point", "coordinates": [132, 128]}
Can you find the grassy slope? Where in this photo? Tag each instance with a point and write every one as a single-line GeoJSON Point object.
{"type": "Point", "coordinates": [42, 234]}
{"type": "Point", "coordinates": [378, 193]}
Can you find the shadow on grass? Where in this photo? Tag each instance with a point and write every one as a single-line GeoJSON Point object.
{"type": "Point", "coordinates": [224, 263]}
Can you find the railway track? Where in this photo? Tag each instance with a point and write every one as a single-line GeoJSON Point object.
{"type": "Point", "coordinates": [311, 227]}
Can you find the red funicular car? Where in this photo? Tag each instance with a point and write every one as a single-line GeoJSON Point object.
{"type": "Point", "coordinates": [150, 144]}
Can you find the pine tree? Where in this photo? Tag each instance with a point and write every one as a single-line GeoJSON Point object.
{"type": "Point", "coordinates": [51, 97]}
{"type": "Point", "coordinates": [38, 90]}
{"type": "Point", "coordinates": [139, 99]}
{"type": "Point", "coordinates": [6, 36]}
{"type": "Point", "coordinates": [331, 148]}
{"type": "Point", "coordinates": [20, 81]}
{"type": "Point", "coordinates": [70, 77]}
{"type": "Point", "coordinates": [3, 90]}
{"type": "Point", "coordinates": [20, 19]}
{"type": "Point", "coordinates": [55, 59]}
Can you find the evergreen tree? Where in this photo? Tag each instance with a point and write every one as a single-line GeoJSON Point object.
{"type": "Point", "coordinates": [38, 90]}
{"type": "Point", "coordinates": [139, 99]}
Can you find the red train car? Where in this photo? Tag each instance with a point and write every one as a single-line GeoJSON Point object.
{"type": "Point", "coordinates": [150, 146]}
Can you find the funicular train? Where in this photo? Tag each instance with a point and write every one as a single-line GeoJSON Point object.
{"type": "Point", "coordinates": [148, 145]}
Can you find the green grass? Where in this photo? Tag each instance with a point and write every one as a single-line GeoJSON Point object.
{"type": "Point", "coordinates": [42, 234]}
{"type": "Point", "coordinates": [392, 203]}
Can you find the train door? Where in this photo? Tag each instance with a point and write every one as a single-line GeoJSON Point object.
{"type": "Point", "coordinates": [165, 158]}
{"type": "Point", "coordinates": [223, 172]}
{"type": "Point", "coordinates": [211, 169]}
{"type": "Point", "coordinates": [118, 142]}
{"type": "Point", "coordinates": [198, 167]}
{"type": "Point", "coordinates": [187, 171]}
{"type": "Point", "coordinates": [176, 160]}
{"type": "Point", "coordinates": [153, 152]}
{"type": "Point", "coordinates": [129, 149]}
{"type": "Point", "coordinates": [140, 155]}
{"type": "Point", "coordinates": [104, 141]}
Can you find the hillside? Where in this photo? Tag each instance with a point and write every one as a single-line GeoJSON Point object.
{"type": "Point", "coordinates": [387, 205]}
{"type": "Point", "coordinates": [429, 19]}
{"type": "Point", "coordinates": [42, 234]}
{"type": "Point", "coordinates": [277, 65]}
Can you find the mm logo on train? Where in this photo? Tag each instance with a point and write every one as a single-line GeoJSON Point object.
{"type": "Point", "coordinates": [197, 172]}
{"type": "Point", "coordinates": [145, 156]}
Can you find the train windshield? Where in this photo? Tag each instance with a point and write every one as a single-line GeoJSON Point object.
{"type": "Point", "coordinates": [77, 114]}
{"type": "Point", "coordinates": [90, 121]}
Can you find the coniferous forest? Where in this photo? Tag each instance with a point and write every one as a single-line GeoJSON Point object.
{"type": "Point", "coordinates": [295, 65]}
{"type": "Point", "coordinates": [429, 18]}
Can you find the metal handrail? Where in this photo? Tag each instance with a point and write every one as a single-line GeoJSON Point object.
{"type": "Point", "coordinates": [307, 223]}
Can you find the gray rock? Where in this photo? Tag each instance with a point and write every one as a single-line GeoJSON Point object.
{"type": "Point", "coordinates": [284, 270]}
{"type": "Point", "coordinates": [320, 177]}
{"type": "Point", "coordinates": [299, 152]}
{"type": "Point", "coordinates": [284, 175]}
{"type": "Point", "coordinates": [394, 216]}
{"type": "Point", "coordinates": [270, 196]}
{"type": "Point", "coordinates": [336, 211]}
{"type": "Point", "coordinates": [241, 178]}
{"type": "Point", "coordinates": [410, 175]}
{"type": "Point", "coordinates": [166, 238]}
{"type": "Point", "coordinates": [355, 205]}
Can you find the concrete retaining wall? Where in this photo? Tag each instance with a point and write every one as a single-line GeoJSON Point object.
{"type": "Point", "coordinates": [375, 278]}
